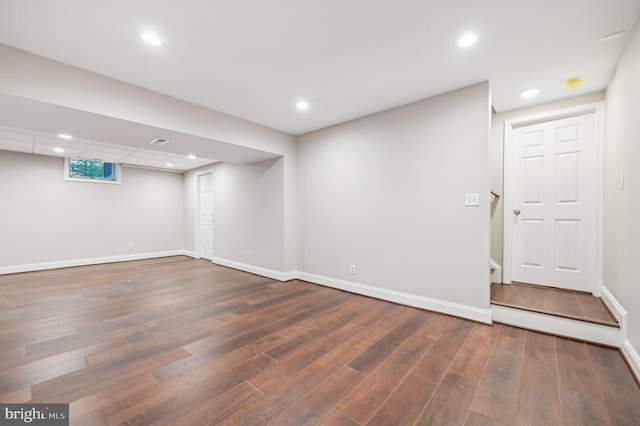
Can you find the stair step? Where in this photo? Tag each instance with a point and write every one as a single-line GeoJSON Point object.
{"type": "Point", "coordinates": [553, 301]}
{"type": "Point", "coordinates": [587, 331]}
{"type": "Point", "coordinates": [609, 323]}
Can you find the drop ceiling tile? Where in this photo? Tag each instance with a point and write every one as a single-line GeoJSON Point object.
{"type": "Point", "coordinates": [102, 156]}
{"type": "Point", "coordinates": [17, 134]}
{"type": "Point", "coordinates": [76, 144]}
{"type": "Point", "coordinates": [174, 167]}
{"type": "Point", "coordinates": [111, 148]}
{"type": "Point", "coordinates": [15, 145]}
{"type": "Point", "coordinates": [107, 152]}
{"type": "Point", "coordinates": [137, 161]}
{"type": "Point", "coordinates": [200, 162]}
{"type": "Point", "coordinates": [185, 163]}
{"type": "Point", "coordinates": [48, 150]}
{"type": "Point", "coordinates": [142, 160]}
{"type": "Point", "coordinates": [163, 164]}
{"type": "Point", "coordinates": [143, 154]}
{"type": "Point", "coordinates": [176, 160]}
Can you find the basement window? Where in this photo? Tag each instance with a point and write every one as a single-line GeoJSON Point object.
{"type": "Point", "coordinates": [97, 171]}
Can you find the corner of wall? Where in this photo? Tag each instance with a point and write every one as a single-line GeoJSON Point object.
{"type": "Point", "coordinates": [257, 270]}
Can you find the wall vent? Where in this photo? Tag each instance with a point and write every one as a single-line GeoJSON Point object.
{"type": "Point", "coordinates": [159, 141]}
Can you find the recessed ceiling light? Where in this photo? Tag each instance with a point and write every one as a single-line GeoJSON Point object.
{"type": "Point", "coordinates": [169, 164]}
{"type": "Point", "coordinates": [467, 40]}
{"type": "Point", "coordinates": [302, 105]}
{"type": "Point", "coordinates": [60, 150]}
{"type": "Point", "coordinates": [65, 136]}
{"type": "Point", "coordinates": [570, 83]}
{"type": "Point", "coordinates": [152, 38]}
{"type": "Point", "coordinates": [192, 157]}
{"type": "Point", "coordinates": [530, 93]}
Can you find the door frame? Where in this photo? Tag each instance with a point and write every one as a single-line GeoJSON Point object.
{"type": "Point", "coordinates": [196, 240]}
{"type": "Point", "coordinates": [596, 108]}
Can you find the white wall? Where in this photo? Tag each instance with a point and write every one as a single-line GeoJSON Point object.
{"type": "Point", "coordinates": [497, 158]}
{"type": "Point", "coordinates": [248, 212]}
{"type": "Point", "coordinates": [44, 218]}
{"type": "Point", "coordinates": [386, 193]}
{"type": "Point", "coordinates": [621, 208]}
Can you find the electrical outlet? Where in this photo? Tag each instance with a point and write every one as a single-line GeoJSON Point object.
{"type": "Point", "coordinates": [352, 269]}
{"type": "Point", "coordinates": [248, 255]}
{"type": "Point", "coordinates": [130, 246]}
{"type": "Point", "coordinates": [471, 200]}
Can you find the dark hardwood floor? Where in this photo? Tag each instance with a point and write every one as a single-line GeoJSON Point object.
{"type": "Point", "coordinates": [553, 301]}
{"type": "Point", "coordinates": [185, 342]}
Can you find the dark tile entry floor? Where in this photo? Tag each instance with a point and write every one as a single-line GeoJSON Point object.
{"type": "Point", "coordinates": [553, 301]}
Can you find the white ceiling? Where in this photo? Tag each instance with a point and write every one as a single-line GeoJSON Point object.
{"type": "Point", "coordinates": [348, 58]}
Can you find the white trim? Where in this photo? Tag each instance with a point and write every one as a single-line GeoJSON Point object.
{"type": "Point", "coordinates": [189, 253]}
{"type": "Point", "coordinates": [560, 326]}
{"type": "Point", "coordinates": [598, 267]}
{"type": "Point", "coordinates": [464, 311]}
{"type": "Point", "coordinates": [631, 355]}
{"type": "Point", "coordinates": [90, 261]}
{"type": "Point", "coordinates": [155, 169]}
{"type": "Point", "coordinates": [497, 273]}
{"type": "Point", "coordinates": [506, 203]}
{"type": "Point", "coordinates": [616, 309]}
{"type": "Point", "coordinates": [264, 272]}
{"type": "Point", "coordinates": [596, 108]}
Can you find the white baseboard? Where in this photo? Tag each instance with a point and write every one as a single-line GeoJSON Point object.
{"type": "Point", "coordinates": [551, 324]}
{"type": "Point", "coordinates": [616, 309]}
{"type": "Point", "coordinates": [190, 253]}
{"type": "Point", "coordinates": [463, 311]}
{"type": "Point", "coordinates": [497, 273]}
{"type": "Point", "coordinates": [89, 261]}
{"type": "Point", "coordinates": [627, 349]}
{"type": "Point", "coordinates": [631, 355]}
{"type": "Point", "coordinates": [264, 272]}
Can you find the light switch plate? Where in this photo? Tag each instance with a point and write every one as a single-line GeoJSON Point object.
{"type": "Point", "coordinates": [471, 200]}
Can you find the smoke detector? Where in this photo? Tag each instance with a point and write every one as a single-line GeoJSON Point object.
{"type": "Point", "coordinates": [159, 141]}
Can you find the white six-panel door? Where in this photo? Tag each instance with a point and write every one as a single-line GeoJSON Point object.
{"type": "Point", "coordinates": [553, 196]}
{"type": "Point", "coordinates": [205, 205]}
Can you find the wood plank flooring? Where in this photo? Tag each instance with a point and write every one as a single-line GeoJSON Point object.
{"type": "Point", "coordinates": [185, 342]}
{"type": "Point", "coordinates": [553, 301]}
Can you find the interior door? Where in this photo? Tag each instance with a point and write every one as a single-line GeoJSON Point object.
{"type": "Point", "coordinates": [553, 193]}
{"type": "Point", "coordinates": [205, 205]}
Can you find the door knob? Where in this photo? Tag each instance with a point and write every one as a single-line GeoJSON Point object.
{"type": "Point", "coordinates": [516, 212]}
